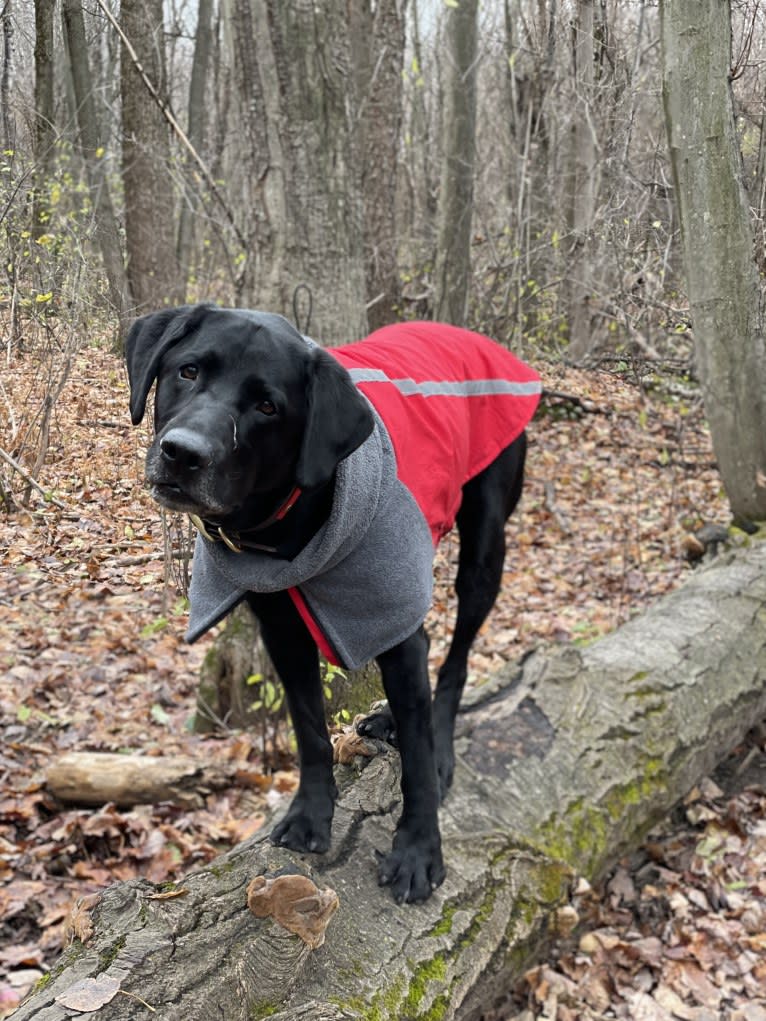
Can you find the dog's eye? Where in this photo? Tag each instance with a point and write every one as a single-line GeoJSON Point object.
{"type": "Point", "coordinates": [266, 407]}
{"type": "Point", "coordinates": [188, 372]}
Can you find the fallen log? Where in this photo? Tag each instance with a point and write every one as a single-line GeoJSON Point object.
{"type": "Point", "coordinates": [95, 778]}
{"type": "Point", "coordinates": [566, 761]}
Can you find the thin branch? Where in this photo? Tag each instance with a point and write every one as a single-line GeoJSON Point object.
{"type": "Point", "coordinates": [29, 480]}
{"type": "Point", "coordinates": [178, 130]}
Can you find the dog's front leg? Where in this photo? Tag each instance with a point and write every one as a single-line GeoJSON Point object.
{"type": "Point", "coordinates": [414, 867]}
{"type": "Point", "coordinates": [306, 826]}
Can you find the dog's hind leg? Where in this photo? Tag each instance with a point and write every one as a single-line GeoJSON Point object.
{"type": "Point", "coordinates": [488, 501]}
{"type": "Point", "coordinates": [379, 722]}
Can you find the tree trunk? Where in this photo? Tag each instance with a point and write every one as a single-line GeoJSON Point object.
{"type": "Point", "coordinates": [203, 44]}
{"type": "Point", "coordinates": [453, 253]}
{"type": "Point", "coordinates": [153, 270]}
{"type": "Point", "coordinates": [377, 43]}
{"type": "Point", "coordinates": [565, 763]}
{"type": "Point", "coordinates": [7, 119]}
{"type": "Point", "coordinates": [722, 277]}
{"type": "Point", "coordinates": [302, 191]}
{"type": "Point", "coordinates": [302, 186]}
{"type": "Point", "coordinates": [106, 228]}
{"type": "Point", "coordinates": [45, 134]}
{"type": "Point", "coordinates": [584, 183]}
{"type": "Point", "coordinates": [419, 214]}
{"type": "Point", "coordinates": [223, 696]}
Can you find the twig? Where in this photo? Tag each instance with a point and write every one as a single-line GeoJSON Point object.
{"type": "Point", "coordinates": [578, 402]}
{"type": "Point", "coordinates": [29, 480]}
{"type": "Point", "coordinates": [552, 507]}
{"type": "Point", "coordinates": [133, 996]}
{"type": "Point", "coordinates": [102, 423]}
{"type": "Point", "coordinates": [146, 558]}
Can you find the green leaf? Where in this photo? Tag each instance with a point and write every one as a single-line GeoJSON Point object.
{"type": "Point", "coordinates": [156, 625]}
{"type": "Point", "coordinates": [159, 715]}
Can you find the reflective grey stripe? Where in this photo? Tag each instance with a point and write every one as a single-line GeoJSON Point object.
{"type": "Point", "coordinates": [445, 388]}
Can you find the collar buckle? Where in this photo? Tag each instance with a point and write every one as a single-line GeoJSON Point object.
{"type": "Point", "coordinates": [236, 543]}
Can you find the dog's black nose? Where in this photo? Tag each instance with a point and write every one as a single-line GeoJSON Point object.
{"type": "Point", "coordinates": [186, 450]}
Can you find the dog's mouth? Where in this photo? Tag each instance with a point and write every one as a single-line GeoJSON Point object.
{"type": "Point", "coordinates": [171, 496]}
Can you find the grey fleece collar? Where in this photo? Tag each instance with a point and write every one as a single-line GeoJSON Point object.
{"type": "Point", "coordinates": [366, 575]}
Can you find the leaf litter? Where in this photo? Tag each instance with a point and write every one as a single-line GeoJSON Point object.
{"type": "Point", "coordinates": [92, 658]}
{"type": "Point", "coordinates": [678, 930]}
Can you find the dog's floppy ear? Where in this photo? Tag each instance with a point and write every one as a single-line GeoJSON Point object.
{"type": "Point", "coordinates": [339, 420]}
{"type": "Point", "coordinates": [148, 340]}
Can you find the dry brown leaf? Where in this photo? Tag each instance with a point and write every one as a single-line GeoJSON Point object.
{"type": "Point", "coordinates": [169, 894]}
{"type": "Point", "coordinates": [89, 994]}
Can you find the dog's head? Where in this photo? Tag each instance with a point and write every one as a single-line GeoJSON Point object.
{"type": "Point", "coordinates": [243, 407]}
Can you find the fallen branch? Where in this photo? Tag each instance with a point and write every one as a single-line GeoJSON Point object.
{"type": "Point", "coordinates": [565, 762]}
{"type": "Point", "coordinates": [147, 558]}
{"type": "Point", "coordinates": [95, 778]}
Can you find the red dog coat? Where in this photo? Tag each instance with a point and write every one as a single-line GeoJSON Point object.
{"type": "Point", "coordinates": [451, 401]}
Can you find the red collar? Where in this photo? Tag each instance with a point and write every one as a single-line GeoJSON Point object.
{"type": "Point", "coordinates": [235, 540]}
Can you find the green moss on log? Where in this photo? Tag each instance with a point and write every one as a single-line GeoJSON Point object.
{"type": "Point", "coordinates": [582, 836]}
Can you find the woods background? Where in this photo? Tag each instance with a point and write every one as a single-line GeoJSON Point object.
{"type": "Point", "coordinates": [269, 145]}
{"type": "Point", "coordinates": [584, 181]}
{"type": "Point", "coordinates": [503, 166]}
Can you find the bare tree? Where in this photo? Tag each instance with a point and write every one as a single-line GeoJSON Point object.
{"type": "Point", "coordinates": [301, 189]}
{"type": "Point", "coordinates": [203, 44]}
{"type": "Point", "coordinates": [106, 227]}
{"type": "Point", "coordinates": [7, 120]}
{"type": "Point", "coordinates": [456, 187]}
{"type": "Point", "coordinates": [378, 46]}
{"type": "Point", "coordinates": [584, 183]}
{"type": "Point", "coordinates": [44, 117]}
{"type": "Point", "coordinates": [722, 278]}
{"type": "Point", "coordinates": [153, 270]}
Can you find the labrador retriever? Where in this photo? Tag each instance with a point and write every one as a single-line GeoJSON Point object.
{"type": "Point", "coordinates": [319, 482]}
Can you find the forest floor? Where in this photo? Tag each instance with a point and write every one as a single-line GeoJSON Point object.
{"type": "Point", "coordinates": [620, 472]}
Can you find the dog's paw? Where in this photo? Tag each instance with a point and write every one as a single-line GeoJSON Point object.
{"type": "Point", "coordinates": [302, 830]}
{"type": "Point", "coordinates": [413, 870]}
{"type": "Point", "coordinates": [378, 725]}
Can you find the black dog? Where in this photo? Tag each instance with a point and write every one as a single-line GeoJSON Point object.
{"type": "Point", "coordinates": [256, 428]}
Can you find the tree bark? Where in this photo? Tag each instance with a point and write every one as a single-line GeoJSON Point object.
{"type": "Point", "coordinates": [584, 185]}
{"type": "Point", "coordinates": [7, 118]}
{"type": "Point", "coordinates": [153, 270]}
{"type": "Point", "coordinates": [417, 165]}
{"type": "Point", "coordinates": [203, 45]}
{"type": "Point", "coordinates": [302, 187]}
{"type": "Point", "coordinates": [722, 278]}
{"type": "Point", "coordinates": [565, 763]}
{"type": "Point", "coordinates": [377, 45]}
{"type": "Point", "coordinates": [96, 163]}
{"type": "Point", "coordinates": [45, 134]}
{"type": "Point", "coordinates": [453, 252]}
{"type": "Point", "coordinates": [95, 778]}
